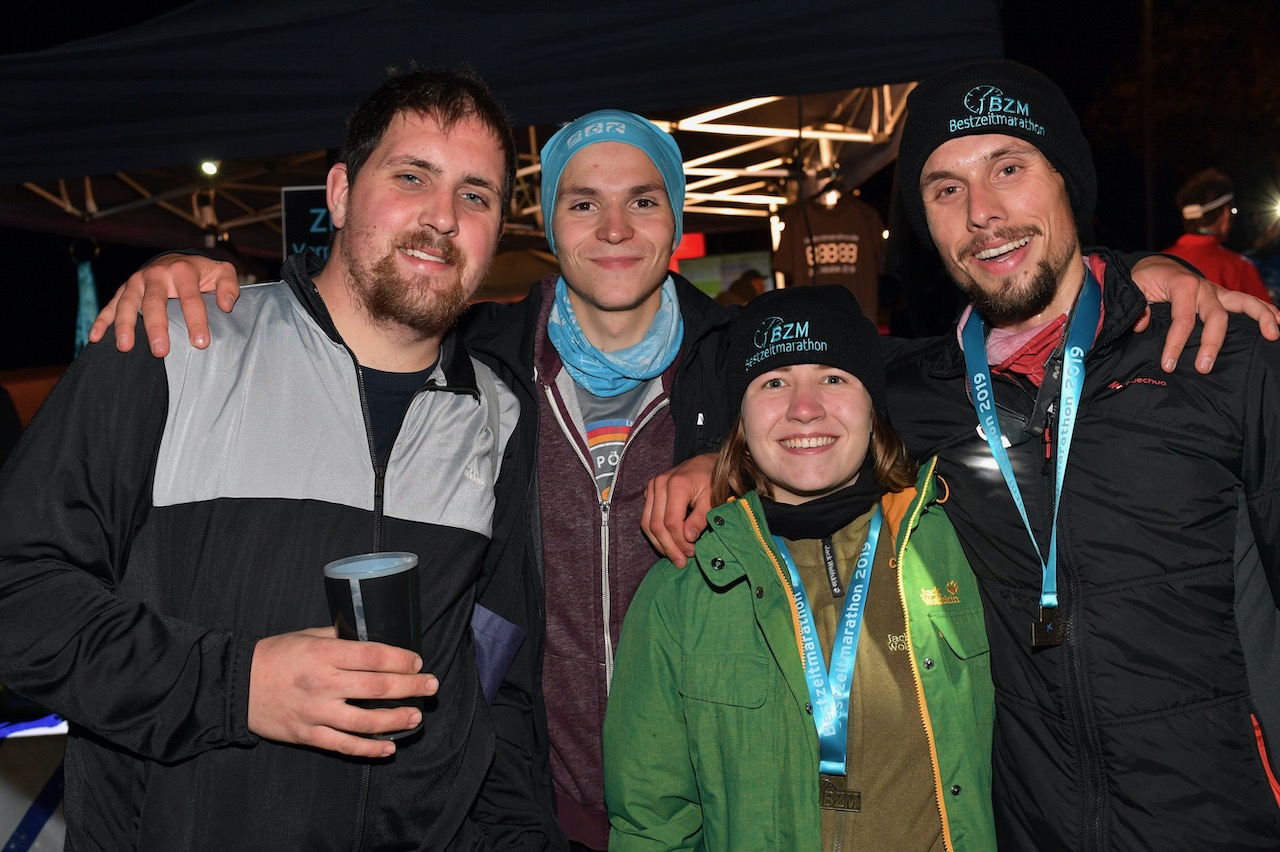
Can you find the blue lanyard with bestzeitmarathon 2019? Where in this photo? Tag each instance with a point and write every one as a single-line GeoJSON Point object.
{"type": "Point", "coordinates": [1084, 326]}
{"type": "Point", "coordinates": [829, 690]}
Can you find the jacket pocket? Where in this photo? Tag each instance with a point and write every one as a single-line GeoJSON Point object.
{"type": "Point", "coordinates": [737, 736]}
{"type": "Point", "coordinates": [964, 631]}
{"type": "Point", "coordinates": [736, 680]}
{"type": "Point", "coordinates": [968, 665]}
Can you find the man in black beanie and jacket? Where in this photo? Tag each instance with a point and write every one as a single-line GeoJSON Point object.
{"type": "Point", "coordinates": [1124, 714]}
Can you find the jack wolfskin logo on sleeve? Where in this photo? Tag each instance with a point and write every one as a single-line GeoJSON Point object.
{"type": "Point", "coordinates": [939, 597]}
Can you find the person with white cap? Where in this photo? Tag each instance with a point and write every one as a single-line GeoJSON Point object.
{"type": "Point", "coordinates": [1205, 202]}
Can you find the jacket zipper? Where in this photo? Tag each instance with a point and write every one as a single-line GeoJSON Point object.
{"type": "Point", "coordinates": [379, 471]}
{"type": "Point", "coordinates": [379, 482]}
{"type": "Point", "coordinates": [1095, 782]}
{"type": "Point", "coordinates": [604, 523]}
{"type": "Point", "coordinates": [1092, 782]}
{"type": "Point", "coordinates": [908, 524]}
{"type": "Point", "coordinates": [604, 517]}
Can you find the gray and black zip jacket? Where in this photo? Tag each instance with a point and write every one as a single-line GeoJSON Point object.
{"type": "Point", "coordinates": [161, 516]}
{"type": "Point", "coordinates": [1145, 728]}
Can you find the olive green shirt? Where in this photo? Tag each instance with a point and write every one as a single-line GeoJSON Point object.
{"type": "Point", "coordinates": [889, 776]}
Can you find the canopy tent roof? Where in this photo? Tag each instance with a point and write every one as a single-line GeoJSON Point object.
{"type": "Point", "coordinates": [98, 137]}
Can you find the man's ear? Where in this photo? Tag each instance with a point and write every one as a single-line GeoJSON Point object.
{"type": "Point", "coordinates": [337, 188]}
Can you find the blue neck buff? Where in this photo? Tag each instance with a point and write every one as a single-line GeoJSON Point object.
{"type": "Point", "coordinates": [609, 374]}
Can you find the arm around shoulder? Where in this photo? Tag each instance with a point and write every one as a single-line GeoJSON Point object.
{"type": "Point", "coordinates": [180, 275]}
{"type": "Point", "coordinates": [1164, 278]}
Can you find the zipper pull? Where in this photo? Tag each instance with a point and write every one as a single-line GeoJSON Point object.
{"type": "Point", "coordinates": [1048, 443]}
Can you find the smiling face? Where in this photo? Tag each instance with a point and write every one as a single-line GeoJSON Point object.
{"type": "Point", "coordinates": [420, 225]}
{"type": "Point", "coordinates": [614, 234]}
{"type": "Point", "coordinates": [808, 429]}
{"type": "Point", "coordinates": [1001, 219]}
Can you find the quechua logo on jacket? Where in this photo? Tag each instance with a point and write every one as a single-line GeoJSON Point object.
{"type": "Point", "coordinates": [1137, 380]}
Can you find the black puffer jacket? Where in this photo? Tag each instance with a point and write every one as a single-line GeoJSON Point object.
{"type": "Point", "coordinates": [1136, 733]}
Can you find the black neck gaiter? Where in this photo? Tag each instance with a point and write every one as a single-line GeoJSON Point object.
{"type": "Point", "coordinates": [821, 518]}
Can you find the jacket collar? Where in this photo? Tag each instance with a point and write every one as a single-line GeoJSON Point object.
{"type": "Point", "coordinates": [729, 527]}
{"type": "Point", "coordinates": [742, 520]}
{"type": "Point", "coordinates": [903, 509]}
{"type": "Point", "coordinates": [506, 334]}
{"type": "Point", "coordinates": [1122, 304]}
{"type": "Point", "coordinates": [299, 271]}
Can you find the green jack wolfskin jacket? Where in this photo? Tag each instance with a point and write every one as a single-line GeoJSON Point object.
{"type": "Point", "coordinates": [707, 740]}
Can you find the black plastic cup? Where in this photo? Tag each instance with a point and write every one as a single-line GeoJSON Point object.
{"type": "Point", "coordinates": [373, 597]}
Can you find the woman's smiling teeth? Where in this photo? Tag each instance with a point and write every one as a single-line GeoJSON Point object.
{"type": "Point", "coordinates": [988, 254]}
{"type": "Point", "coordinates": [807, 443]}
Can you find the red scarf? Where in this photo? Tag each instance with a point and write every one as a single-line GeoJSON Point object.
{"type": "Point", "coordinates": [1026, 352]}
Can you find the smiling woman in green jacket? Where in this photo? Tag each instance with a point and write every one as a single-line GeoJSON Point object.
{"type": "Point", "coordinates": [732, 725]}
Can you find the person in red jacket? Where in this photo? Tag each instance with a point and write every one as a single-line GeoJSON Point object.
{"type": "Point", "coordinates": [1207, 214]}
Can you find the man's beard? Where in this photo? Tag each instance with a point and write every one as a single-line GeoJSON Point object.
{"type": "Point", "coordinates": [429, 308]}
{"type": "Point", "coordinates": [1012, 305]}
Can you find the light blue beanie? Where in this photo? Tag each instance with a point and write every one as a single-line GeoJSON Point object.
{"type": "Point", "coordinates": [612, 125]}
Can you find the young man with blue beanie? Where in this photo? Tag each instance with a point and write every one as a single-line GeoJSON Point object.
{"type": "Point", "coordinates": [618, 362]}
{"type": "Point", "coordinates": [612, 125]}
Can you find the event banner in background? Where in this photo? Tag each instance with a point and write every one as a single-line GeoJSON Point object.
{"type": "Point", "coordinates": [306, 223]}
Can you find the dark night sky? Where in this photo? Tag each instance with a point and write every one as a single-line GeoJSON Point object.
{"type": "Point", "coordinates": [1087, 46]}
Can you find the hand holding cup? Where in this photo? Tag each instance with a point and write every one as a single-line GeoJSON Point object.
{"type": "Point", "coordinates": [373, 597]}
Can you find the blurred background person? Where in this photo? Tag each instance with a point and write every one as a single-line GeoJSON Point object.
{"type": "Point", "coordinates": [744, 288]}
{"type": "Point", "coordinates": [1266, 256]}
{"type": "Point", "coordinates": [1207, 214]}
